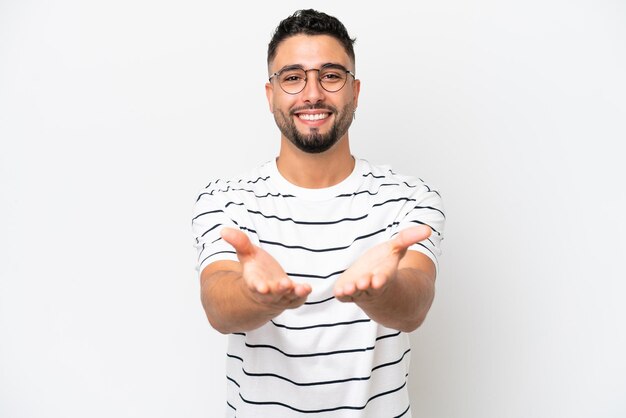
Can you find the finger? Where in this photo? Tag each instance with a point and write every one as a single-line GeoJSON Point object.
{"type": "Point", "coordinates": [410, 236]}
{"type": "Point", "coordinates": [363, 283]}
{"type": "Point", "coordinates": [378, 281]}
{"type": "Point", "coordinates": [296, 296]}
{"type": "Point", "coordinates": [302, 290]}
{"type": "Point", "coordinates": [239, 240]}
{"type": "Point", "coordinates": [285, 284]}
{"type": "Point", "coordinates": [259, 286]}
{"type": "Point", "coordinates": [347, 289]}
{"type": "Point", "coordinates": [293, 298]}
{"type": "Point", "coordinates": [282, 286]}
{"type": "Point", "coordinates": [271, 290]}
{"type": "Point", "coordinates": [339, 292]}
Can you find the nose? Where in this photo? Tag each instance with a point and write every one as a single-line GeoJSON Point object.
{"type": "Point", "coordinates": [313, 91]}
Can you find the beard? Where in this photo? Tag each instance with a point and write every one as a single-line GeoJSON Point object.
{"type": "Point", "coordinates": [314, 142]}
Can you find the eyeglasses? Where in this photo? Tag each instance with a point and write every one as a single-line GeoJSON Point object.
{"type": "Point", "coordinates": [293, 79]}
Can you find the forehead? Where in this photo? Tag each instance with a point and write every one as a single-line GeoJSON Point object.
{"type": "Point", "coordinates": [309, 51]}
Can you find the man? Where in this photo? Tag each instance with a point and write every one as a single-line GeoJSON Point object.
{"type": "Point", "coordinates": [317, 264]}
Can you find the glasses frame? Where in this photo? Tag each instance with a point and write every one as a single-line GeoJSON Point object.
{"type": "Point", "coordinates": [306, 78]}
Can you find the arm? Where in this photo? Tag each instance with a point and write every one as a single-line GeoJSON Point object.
{"type": "Point", "coordinates": [393, 286]}
{"type": "Point", "coordinates": [241, 296]}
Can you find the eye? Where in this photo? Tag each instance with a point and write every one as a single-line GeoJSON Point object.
{"type": "Point", "coordinates": [331, 76]}
{"type": "Point", "coordinates": [292, 77]}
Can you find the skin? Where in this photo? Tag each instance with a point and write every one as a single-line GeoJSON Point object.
{"type": "Point", "coordinates": [393, 286]}
{"type": "Point", "coordinates": [305, 169]}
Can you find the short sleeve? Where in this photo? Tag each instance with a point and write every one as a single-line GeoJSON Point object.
{"type": "Point", "coordinates": [424, 207]}
{"type": "Point", "coordinates": [209, 217]}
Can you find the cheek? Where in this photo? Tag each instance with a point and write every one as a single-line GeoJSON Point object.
{"type": "Point", "coordinates": [283, 104]}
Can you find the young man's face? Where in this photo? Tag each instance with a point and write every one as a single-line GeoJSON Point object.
{"type": "Point", "coordinates": [314, 119]}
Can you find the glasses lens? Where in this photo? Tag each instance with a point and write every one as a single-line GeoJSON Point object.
{"type": "Point", "coordinates": [292, 81]}
{"type": "Point", "coordinates": [333, 79]}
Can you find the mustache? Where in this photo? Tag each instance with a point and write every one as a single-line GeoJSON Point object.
{"type": "Point", "coordinates": [316, 106]}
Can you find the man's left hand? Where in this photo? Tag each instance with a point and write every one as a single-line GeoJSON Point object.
{"type": "Point", "coordinates": [373, 272]}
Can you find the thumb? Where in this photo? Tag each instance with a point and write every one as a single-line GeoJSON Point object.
{"type": "Point", "coordinates": [410, 236]}
{"type": "Point", "coordinates": [239, 240]}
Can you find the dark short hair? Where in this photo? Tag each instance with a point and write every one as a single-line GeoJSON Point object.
{"type": "Point", "coordinates": [310, 22]}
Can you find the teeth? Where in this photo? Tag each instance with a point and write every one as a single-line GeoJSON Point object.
{"type": "Point", "coordinates": [316, 116]}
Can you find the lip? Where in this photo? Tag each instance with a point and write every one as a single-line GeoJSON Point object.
{"type": "Point", "coordinates": [313, 122]}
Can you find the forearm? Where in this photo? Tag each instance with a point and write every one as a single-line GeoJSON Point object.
{"type": "Point", "coordinates": [404, 303]}
{"type": "Point", "coordinates": [229, 306]}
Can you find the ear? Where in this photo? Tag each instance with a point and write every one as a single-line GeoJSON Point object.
{"type": "Point", "coordinates": [269, 93]}
{"type": "Point", "coordinates": [356, 89]}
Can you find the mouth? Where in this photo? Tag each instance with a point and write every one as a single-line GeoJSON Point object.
{"type": "Point", "coordinates": [313, 116]}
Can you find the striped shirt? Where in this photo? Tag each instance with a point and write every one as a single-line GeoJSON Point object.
{"type": "Point", "coordinates": [325, 358]}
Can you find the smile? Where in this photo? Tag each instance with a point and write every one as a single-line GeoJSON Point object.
{"type": "Point", "coordinates": [313, 116]}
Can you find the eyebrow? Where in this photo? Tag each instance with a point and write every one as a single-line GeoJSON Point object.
{"type": "Point", "coordinates": [291, 67]}
{"type": "Point", "coordinates": [301, 67]}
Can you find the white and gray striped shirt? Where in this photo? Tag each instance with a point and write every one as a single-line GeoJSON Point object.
{"type": "Point", "coordinates": [325, 358]}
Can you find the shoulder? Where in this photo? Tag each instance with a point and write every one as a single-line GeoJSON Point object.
{"type": "Point", "coordinates": [386, 175]}
{"type": "Point", "coordinates": [250, 181]}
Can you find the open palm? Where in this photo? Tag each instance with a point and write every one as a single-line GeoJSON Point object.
{"type": "Point", "coordinates": [264, 277]}
{"type": "Point", "coordinates": [369, 276]}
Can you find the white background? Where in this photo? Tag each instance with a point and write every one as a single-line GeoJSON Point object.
{"type": "Point", "coordinates": [113, 114]}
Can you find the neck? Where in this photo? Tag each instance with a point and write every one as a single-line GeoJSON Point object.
{"type": "Point", "coordinates": [315, 171]}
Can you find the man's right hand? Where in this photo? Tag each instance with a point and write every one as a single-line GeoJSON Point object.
{"type": "Point", "coordinates": [264, 277]}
